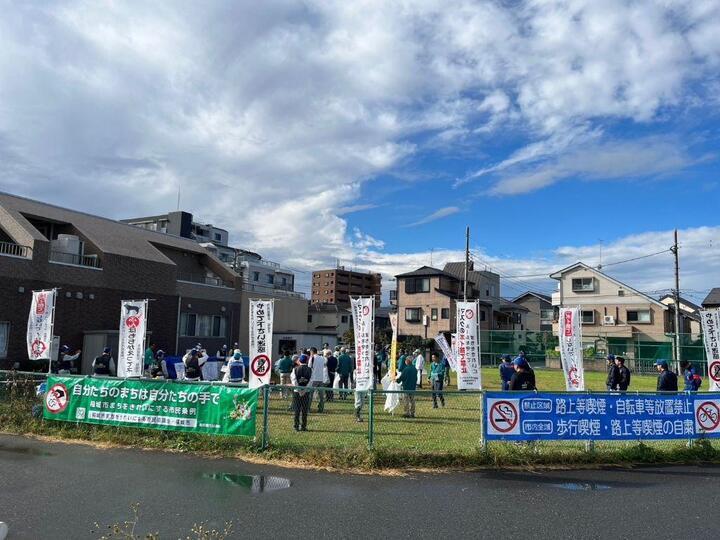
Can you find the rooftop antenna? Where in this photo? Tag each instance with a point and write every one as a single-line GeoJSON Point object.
{"type": "Point", "coordinates": [178, 198]}
{"type": "Point", "coordinates": [599, 266]}
{"type": "Point", "coordinates": [431, 255]}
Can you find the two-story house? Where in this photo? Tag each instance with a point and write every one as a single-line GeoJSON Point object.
{"type": "Point", "coordinates": [427, 298]}
{"type": "Point", "coordinates": [540, 315]}
{"type": "Point", "coordinates": [610, 308]}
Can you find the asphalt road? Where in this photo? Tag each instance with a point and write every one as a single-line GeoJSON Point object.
{"type": "Point", "coordinates": [57, 490]}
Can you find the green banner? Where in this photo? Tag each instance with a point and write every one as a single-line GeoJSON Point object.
{"type": "Point", "coordinates": [168, 405]}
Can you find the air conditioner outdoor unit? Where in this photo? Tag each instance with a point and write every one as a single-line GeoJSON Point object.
{"type": "Point", "coordinates": [608, 320]}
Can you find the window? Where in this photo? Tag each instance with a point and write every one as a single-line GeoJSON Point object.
{"type": "Point", "coordinates": [218, 237]}
{"type": "Point", "coordinates": [270, 279]}
{"type": "Point", "coordinates": [309, 318]}
{"type": "Point", "coordinates": [487, 292]}
{"type": "Point", "coordinates": [187, 324]}
{"type": "Point", "coordinates": [218, 326]}
{"type": "Point", "coordinates": [417, 285]}
{"type": "Point", "coordinates": [343, 319]}
{"type": "Point", "coordinates": [517, 318]}
{"type": "Point", "coordinates": [434, 314]}
{"type": "Point", "coordinates": [4, 338]}
{"type": "Point", "coordinates": [585, 284]}
{"type": "Point", "coordinates": [588, 317]}
{"type": "Point", "coordinates": [204, 323]}
{"type": "Point", "coordinates": [413, 314]}
{"type": "Point", "coordinates": [445, 313]}
{"type": "Point", "coordinates": [482, 314]}
{"type": "Point", "coordinates": [639, 316]}
{"type": "Point", "coordinates": [546, 315]}
{"type": "Point", "coordinates": [283, 281]}
{"type": "Point", "coordinates": [256, 276]}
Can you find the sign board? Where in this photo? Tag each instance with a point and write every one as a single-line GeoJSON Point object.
{"type": "Point", "coordinates": [571, 351]}
{"type": "Point", "coordinates": [166, 405]}
{"type": "Point", "coordinates": [611, 417]}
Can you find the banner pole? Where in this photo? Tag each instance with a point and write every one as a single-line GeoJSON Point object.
{"type": "Point", "coordinates": [371, 418]}
{"type": "Point", "coordinates": [52, 331]}
{"type": "Point", "coordinates": [483, 425]}
{"type": "Point", "coordinates": [266, 407]}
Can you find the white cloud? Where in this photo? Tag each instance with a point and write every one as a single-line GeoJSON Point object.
{"type": "Point", "coordinates": [273, 116]}
{"type": "Point", "coordinates": [437, 214]}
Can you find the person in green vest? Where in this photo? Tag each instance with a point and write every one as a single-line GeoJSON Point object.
{"type": "Point", "coordinates": [401, 361]}
{"type": "Point", "coordinates": [149, 360]}
{"type": "Point", "coordinates": [284, 369]}
{"type": "Point", "coordinates": [408, 380]}
{"type": "Point", "coordinates": [344, 370]}
{"type": "Point", "coordinates": [437, 378]}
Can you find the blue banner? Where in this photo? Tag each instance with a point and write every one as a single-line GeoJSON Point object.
{"type": "Point", "coordinates": [524, 416]}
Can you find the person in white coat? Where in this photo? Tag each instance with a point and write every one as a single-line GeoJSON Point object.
{"type": "Point", "coordinates": [419, 365]}
{"type": "Point", "coordinates": [319, 376]}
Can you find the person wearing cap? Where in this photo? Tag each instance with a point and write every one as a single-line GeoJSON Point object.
{"type": "Point", "coordinates": [160, 368]}
{"type": "Point", "coordinates": [612, 373]}
{"type": "Point", "coordinates": [419, 366]}
{"type": "Point", "coordinates": [300, 377]}
{"type": "Point", "coordinates": [235, 368]}
{"type": "Point", "coordinates": [344, 370]}
{"type": "Point", "coordinates": [192, 365]}
{"type": "Point", "coordinates": [690, 377]}
{"type": "Point", "coordinates": [222, 353]}
{"type": "Point", "coordinates": [623, 374]}
{"type": "Point", "coordinates": [667, 380]}
{"type": "Point", "coordinates": [524, 377]}
{"type": "Point", "coordinates": [67, 361]}
{"type": "Point", "coordinates": [507, 370]}
{"type": "Point", "coordinates": [104, 364]}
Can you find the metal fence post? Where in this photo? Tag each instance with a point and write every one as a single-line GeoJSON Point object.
{"type": "Point", "coordinates": [266, 414]}
{"type": "Point", "coordinates": [371, 418]}
{"type": "Point", "coordinates": [483, 439]}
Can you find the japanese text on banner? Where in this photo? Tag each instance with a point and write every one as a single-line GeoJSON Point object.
{"type": "Point", "coordinates": [363, 310]}
{"type": "Point", "coordinates": [261, 338]}
{"type": "Point", "coordinates": [468, 346]}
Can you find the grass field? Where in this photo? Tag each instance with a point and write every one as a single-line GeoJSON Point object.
{"type": "Point", "coordinates": [449, 436]}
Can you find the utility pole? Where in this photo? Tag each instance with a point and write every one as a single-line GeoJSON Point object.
{"type": "Point", "coordinates": [467, 261]}
{"type": "Point", "coordinates": [674, 249]}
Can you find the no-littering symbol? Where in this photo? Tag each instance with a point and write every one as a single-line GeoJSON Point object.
{"type": "Point", "coordinates": [56, 399]}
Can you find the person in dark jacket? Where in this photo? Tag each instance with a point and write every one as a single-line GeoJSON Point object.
{"type": "Point", "coordinates": [507, 370]}
{"type": "Point", "coordinates": [524, 377]}
{"type": "Point", "coordinates": [331, 363]}
{"type": "Point", "coordinates": [623, 374]}
{"type": "Point", "coordinates": [690, 377]}
{"type": "Point", "coordinates": [667, 380]}
{"type": "Point", "coordinates": [104, 364]}
{"type": "Point", "coordinates": [300, 377]}
{"type": "Point", "coordinates": [612, 373]}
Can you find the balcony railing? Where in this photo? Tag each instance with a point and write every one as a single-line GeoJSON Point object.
{"type": "Point", "coordinates": [88, 261]}
{"type": "Point", "coordinates": [15, 250]}
{"type": "Point", "coordinates": [201, 279]}
{"type": "Point", "coordinates": [271, 291]}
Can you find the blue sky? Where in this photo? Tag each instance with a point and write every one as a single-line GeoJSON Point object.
{"type": "Point", "coordinates": [373, 132]}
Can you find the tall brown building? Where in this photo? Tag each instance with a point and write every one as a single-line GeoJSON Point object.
{"type": "Point", "coordinates": [337, 285]}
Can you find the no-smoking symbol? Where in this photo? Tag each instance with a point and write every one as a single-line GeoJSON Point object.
{"type": "Point", "coordinates": [260, 365]}
{"type": "Point", "coordinates": [714, 371]}
{"type": "Point", "coordinates": [708, 416]}
{"type": "Point", "coordinates": [503, 416]}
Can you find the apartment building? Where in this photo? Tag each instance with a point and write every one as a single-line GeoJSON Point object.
{"type": "Point", "coordinates": [95, 263]}
{"type": "Point", "coordinates": [338, 285]}
{"type": "Point", "coordinates": [260, 275]}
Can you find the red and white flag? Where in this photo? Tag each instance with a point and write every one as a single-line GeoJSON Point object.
{"type": "Point", "coordinates": [131, 342]}
{"type": "Point", "coordinates": [40, 325]}
{"type": "Point", "coordinates": [571, 352]}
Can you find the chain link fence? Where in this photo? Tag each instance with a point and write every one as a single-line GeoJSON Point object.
{"type": "Point", "coordinates": [423, 422]}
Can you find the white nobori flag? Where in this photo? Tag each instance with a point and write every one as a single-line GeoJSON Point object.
{"type": "Point", "coordinates": [571, 352]}
{"type": "Point", "coordinates": [40, 325]}
{"type": "Point", "coordinates": [261, 342]}
{"type": "Point", "coordinates": [131, 342]}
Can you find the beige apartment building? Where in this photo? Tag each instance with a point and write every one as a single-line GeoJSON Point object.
{"type": "Point", "coordinates": [609, 307]}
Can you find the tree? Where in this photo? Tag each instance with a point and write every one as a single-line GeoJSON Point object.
{"type": "Point", "coordinates": [348, 338]}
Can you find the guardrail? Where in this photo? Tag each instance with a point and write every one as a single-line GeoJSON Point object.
{"type": "Point", "coordinates": [88, 261]}
{"type": "Point", "coordinates": [15, 250]}
{"type": "Point", "coordinates": [200, 279]}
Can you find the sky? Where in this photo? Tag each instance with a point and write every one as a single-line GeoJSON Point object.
{"type": "Point", "coordinates": [374, 132]}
